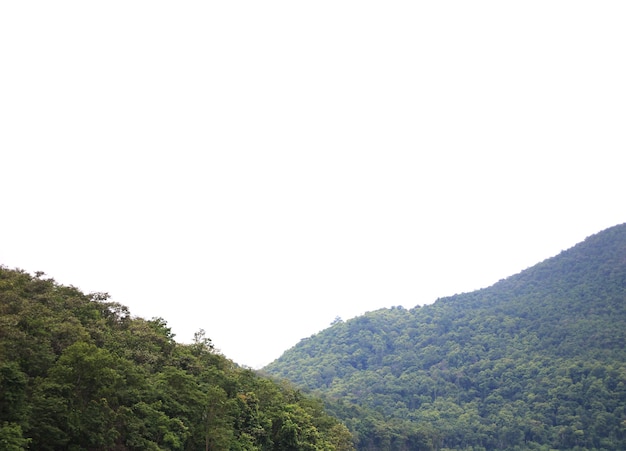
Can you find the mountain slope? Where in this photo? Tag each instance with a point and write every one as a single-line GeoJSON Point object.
{"type": "Point", "coordinates": [536, 360]}
{"type": "Point", "coordinates": [77, 372]}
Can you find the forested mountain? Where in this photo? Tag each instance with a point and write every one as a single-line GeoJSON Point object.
{"type": "Point", "coordinates": [77, 372]}
{"type": "Point", "coordinates": [536, 361]}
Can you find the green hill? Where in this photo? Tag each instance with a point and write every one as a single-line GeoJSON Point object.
{"type": "Point", "coordinates": [77, 372]}
{"type": "Point", "coordinates": [536, 361]}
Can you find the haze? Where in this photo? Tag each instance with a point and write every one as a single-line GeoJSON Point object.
{"type": "Point", "coordinates": [257, 169]}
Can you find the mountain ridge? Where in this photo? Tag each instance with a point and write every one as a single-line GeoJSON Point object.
{"type": "Point", "coordinates": [514, 345]}
{"type": "Point", "coordinates": [78, 372]}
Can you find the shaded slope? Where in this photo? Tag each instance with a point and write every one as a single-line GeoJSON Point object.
{"type": "Point", "coordinates": [537, 359]}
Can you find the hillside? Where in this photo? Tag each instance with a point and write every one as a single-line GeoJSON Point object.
{"type": "Point", "coordinates": [78, 372]}
{"type": "Point", "coordinates": [536, 361]}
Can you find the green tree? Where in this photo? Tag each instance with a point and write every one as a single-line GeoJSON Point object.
{"type": "Point", "coordinates": [11, 437]}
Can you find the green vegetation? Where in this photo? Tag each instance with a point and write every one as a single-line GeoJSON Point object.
{"type": "Point", "coordinates": [77, 372]}
{"type": "Point", "coordinates": [536, 361]}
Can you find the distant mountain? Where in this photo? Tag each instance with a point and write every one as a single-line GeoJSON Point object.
{"type": "Point", "coordinates": [536, 361]}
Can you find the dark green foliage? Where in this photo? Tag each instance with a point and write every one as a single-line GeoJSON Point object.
{"type": "Point", "coordinates": [537, 361]}
{"type": "Point", "coordinates": [77, 372]}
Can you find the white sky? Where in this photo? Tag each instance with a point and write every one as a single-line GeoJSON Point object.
{"type": "Point", "coordinates": [257, 168]}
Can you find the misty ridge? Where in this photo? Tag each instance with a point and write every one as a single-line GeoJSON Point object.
{"type": "Point", "coordinates": [535, 361]}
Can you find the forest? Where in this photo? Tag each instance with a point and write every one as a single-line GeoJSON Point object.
{"type": "Point", "coordinates": [536, 361]}
{"type": "Point", "coordinates": [78, 372]}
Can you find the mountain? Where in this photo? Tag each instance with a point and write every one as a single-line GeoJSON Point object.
{"type": "Point", "coordinates": [78, 372]}
{"type": "Point", "coordinates": [536, 361]}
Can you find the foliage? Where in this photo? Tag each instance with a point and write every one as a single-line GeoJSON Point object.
{"type": "Point", "coordinates": [77, 372]}
{"type": "Point", "coordinates": [536, 361]}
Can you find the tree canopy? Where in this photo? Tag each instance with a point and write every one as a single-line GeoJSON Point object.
{"type": "Point", "coordinates": [78, 372]}
{"type": "Point", "coordinates": [536, 361]}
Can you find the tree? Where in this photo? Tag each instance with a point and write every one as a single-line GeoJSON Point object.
{"type": "Point", "coordinates": [11, 438]}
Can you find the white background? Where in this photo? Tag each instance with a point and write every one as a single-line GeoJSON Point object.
{"type": "Point", "coordinates": [256, 169]}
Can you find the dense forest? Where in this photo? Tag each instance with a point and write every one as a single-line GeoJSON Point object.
{"type": "Point", "coordinates": [78, 372]}
{"type": "Point", "coordinates": [536, 361]}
